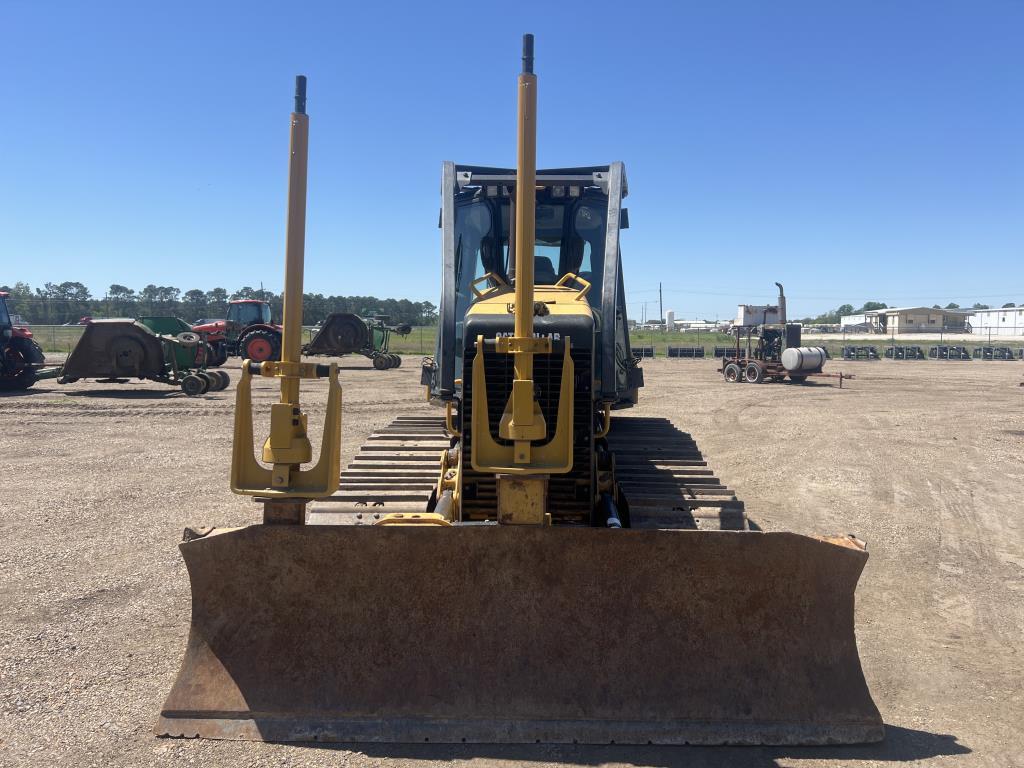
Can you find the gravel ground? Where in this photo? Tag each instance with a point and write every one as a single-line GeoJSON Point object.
{"type": "Point", "coordinates": [923, 460]}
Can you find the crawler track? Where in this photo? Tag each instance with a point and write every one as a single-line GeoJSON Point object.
{"type": "Point", "coordinates": [661, 470]}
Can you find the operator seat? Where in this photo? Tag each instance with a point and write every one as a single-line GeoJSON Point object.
{"type": "Point", "coordinates": [544, 271]}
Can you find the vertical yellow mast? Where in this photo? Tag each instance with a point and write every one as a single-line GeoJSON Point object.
{"type": "Point", "coordinates": [295, 248]}
{"type": "Point", "coordinates": [526, 211]}
{"type": "Point", "coordinates": [285, 486]}
{"type": "Point", "coordinates": [523, 421]}
{"type": "Point", "coordinates": [288, 444]}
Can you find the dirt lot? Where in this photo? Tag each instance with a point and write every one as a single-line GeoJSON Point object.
{"type": "Point", "coordinates": [923, 460]}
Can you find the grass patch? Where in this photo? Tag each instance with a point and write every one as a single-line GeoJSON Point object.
{"type": "Point", "coordinates": [423, 341]}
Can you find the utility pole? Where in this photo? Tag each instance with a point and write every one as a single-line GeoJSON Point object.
{"type": "Point", "coordinates": [661, 309]}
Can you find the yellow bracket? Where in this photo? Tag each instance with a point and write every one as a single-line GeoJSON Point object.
{"type": "Point", "coordinates": [510, 345]}
{"type": "Point", "coordinates": [418, 518]}
{"type": "Point", "coordinates": [449, 420]}
{"type": "Point", "coordinates": [488, 455]}
{"type": "Point", "coordinates": [490, 289]}
{"type": "Point", "coordinates": [570, 277]}
{"type": "Point", "coordinates": [250, 478]}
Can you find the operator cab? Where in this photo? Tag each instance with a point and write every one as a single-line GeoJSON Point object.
{"type": "Point", "coordinates": [246, 313]}
{"type": "Point", "coordinates": [579, 215]}
{"type": "Point", "coordinates": [570, 238]}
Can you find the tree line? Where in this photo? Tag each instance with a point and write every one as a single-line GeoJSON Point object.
{"type": "Point", "coordinates": [68, 302]}
{"type": "Point", "coordinates": [833, 317]}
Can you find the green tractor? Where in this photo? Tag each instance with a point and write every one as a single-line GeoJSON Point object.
{"type": "Point", "coordinates": [343, 333]}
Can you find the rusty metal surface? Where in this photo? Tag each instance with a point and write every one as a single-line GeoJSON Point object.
{"type": "Point", "coordinates": [341, 333]}
{"type": "Point", "coordinates": [499, 634]}
{"type": "Point", "coordinates": [115, 348]}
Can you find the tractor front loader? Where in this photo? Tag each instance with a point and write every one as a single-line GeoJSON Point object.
{"type": "Point", "coordinates": [526, 568]}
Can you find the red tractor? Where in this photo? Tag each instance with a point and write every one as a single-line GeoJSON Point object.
{"type": "Point", "coordinates": [20, 357]}
{"type": "Point", "coordinates": [247, 332]}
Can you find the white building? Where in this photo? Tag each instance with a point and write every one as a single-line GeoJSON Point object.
{"type": "Point", "coordinates": [997, 322]}
{"type": "Point", "coordinates": [906, 320]}
{"type": "Point", "coordinates": [855, 322]}
{"type": "Point", "coordinates": [696, 325]}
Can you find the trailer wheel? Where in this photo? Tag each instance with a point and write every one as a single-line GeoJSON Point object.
{"type": "Point", "coordinates": [223, 379]}
{"type": "Point", "coordinates": [192, 385]}
{"type": "Point", "coordinates": [732, 373]}
{"type": "Point", "coordinates": [754, 373]}
{"type": "Point", "coordinates": [209, 379]}
{"type": "Point", "coordinates": [396, 361]}
{"type": "Point", "coordinates": [380, 363]}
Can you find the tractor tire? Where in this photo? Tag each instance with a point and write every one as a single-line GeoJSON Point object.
{"type": "Point", "coordinates": [223, 380]}
{"type": "Point", "coordinates": [380, 362]}
{"type": "Point", "coordinates": [260, 345]}
{"type": "Point", "coordinates": [732, 373]}
{"type": "Point", "coordinates": [396, 361]}
{"type": "Point", "coordinates": [17, 371]}
{"type": "Point", "coordinates": [188, 339]}
{"type": "Point", "coordinates": [754, 373]}
{"type": "Point", "coordinates": [192, 385]}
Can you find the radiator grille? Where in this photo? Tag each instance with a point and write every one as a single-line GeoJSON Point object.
{"type": "Point", "coordinates": [570, 496]}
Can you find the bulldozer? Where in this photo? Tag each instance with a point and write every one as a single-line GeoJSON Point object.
{"type": "Point", "coordinates": [525, 568]}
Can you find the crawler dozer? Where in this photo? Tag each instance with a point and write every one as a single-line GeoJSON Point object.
{"type": "Point", "coordinates": [526, 568]}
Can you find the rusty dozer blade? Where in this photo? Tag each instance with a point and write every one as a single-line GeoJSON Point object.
{"type": "Point", "coordinates": [481, 633]}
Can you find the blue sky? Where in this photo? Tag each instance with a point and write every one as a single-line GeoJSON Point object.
{"type": "Point", "coordinates": [853, 150]}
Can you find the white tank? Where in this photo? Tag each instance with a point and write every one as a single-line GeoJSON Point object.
{"type": "Point", "coordinates": [803, 359]}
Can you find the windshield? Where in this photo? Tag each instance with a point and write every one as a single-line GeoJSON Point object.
{"type": "Point", "coordinates": [570, 238]}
